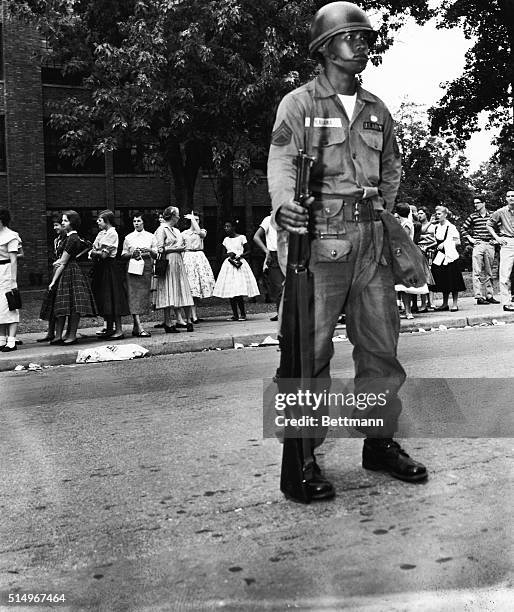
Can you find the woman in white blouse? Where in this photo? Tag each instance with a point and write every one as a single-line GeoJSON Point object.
{"type": "Point", "coordinates": [107, 283]}
{"type": "Point", "coordinates": [445, 266]}
{"type": "Point", "coordinates": [140, 248]}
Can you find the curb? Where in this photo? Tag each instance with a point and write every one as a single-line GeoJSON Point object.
{"type": "Point", "coordinates": [67, 356]}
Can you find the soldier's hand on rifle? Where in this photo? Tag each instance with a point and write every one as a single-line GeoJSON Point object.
{"type": "Point", "coordinates": [293, 217]}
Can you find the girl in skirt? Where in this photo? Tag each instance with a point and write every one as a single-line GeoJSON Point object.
{"type": "Point", "coordinates": [172, 291]}
{"type": "Point", "coordinates": [235, 279]}
{"type": "Point", "coordinates": [198, 269]}
{"type": "Point", "coordinates": [73, 296]}
{"type": "Point", "coordinates": [108, 283]}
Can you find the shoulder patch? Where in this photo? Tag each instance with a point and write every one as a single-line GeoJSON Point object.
{"type": "Point", "coordinates": [282, 135]}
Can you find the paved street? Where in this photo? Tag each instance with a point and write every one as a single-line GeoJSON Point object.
{"type": "Point", "coordinates": [147, 485]}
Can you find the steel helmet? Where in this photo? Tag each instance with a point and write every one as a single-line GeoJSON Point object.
{"type": "Point", "coordinates": [334, 18]}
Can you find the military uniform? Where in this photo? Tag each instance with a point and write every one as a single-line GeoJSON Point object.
{"type": "Point", "coordinates": [354, 179]}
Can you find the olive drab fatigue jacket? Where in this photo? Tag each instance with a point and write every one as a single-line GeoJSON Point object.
{"type": "Point", "coordinates": [356, 156]}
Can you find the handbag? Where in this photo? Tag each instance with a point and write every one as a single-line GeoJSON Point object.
{"type": "Point", "coordinates": [161, 265]}
{"type": "Point", "coordinates": [136, 266]}
{"type": "Point", "coordinates": [13, 299]}
{"type": "Point", "coordinates": [235, 262]}
{"type": "Point", "coordinates": [47, 304]}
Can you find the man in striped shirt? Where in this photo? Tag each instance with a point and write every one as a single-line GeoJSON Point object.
{"type": "Point", "coordinates": [474, 229]}
{"type": "Point", "coordinates": [502, 221]}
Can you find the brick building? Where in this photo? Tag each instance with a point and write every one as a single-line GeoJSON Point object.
{"type": "Point", "coordinates": [36, 183]}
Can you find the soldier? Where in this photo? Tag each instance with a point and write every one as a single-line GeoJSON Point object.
{"type": "Point", "coordinates": [355, 177]}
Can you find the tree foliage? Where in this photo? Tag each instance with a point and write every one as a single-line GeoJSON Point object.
{"type": "Point", "coordinates": [493, 180]}
{"type": "Point", "coordinates": [190, 81]}
{"type": "Point", "coordinates": [432, 171]}
{"type": "Point", "coordinates": [487, 83]}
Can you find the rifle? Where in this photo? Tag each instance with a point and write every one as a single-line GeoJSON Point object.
{"type": "Point", "coordinates": [296, 344]}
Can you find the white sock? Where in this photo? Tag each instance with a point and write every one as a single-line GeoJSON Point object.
{"type": "Point", "coordinates": [11, 341]}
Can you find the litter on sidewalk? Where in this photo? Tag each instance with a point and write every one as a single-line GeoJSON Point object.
{"type": "Point", "coordinates": [32, 367]}
{"type": "Point", "coordinates": [120, 352]}
{"type": "Point", "coordinates": [269, 341]}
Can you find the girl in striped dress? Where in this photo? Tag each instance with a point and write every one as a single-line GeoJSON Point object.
{"type": "Point", "coordinates": [236, 278]}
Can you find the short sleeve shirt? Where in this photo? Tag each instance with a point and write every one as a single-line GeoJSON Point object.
{"type": "Point", "coordinates": [235, 245]}
{"type": "Point", "coordinates": [107, 239]}
{"type": "Point", "coordinates": [73, 245]}
{"type": "Point", "coordinates": [270, 232]}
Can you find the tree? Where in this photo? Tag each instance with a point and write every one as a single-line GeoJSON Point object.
{"type": "Point", "coordinates": [188, 81]}
{"type": "Point", "coordinates": [487, 83]}
{"type": "Point", "coordinates": [493, 180]}
{"type": "Point", "coordinates": [433, 170]}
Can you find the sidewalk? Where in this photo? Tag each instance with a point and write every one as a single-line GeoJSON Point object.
{"type": "Point", "coordinates": [217, 333]}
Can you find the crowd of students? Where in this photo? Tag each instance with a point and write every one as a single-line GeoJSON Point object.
{"type": "Point", "coordinates": [166, 271]}
{"type": "Point", "coordinates": [438, 239]}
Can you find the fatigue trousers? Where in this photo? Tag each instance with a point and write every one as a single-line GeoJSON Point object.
{"type": "Point", "coordinates": [372, 321]}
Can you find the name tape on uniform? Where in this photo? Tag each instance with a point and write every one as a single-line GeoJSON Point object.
{"type": "Point", "coordinates": [372, 125]}
{"type": "Point", "coordinates": [328, 122]}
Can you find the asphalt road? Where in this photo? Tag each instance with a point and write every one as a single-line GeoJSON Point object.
{"type": "Point", "coordinates": [147, 485]}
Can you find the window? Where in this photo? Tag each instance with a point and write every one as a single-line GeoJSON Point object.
{"type": "Point", "coordinates": [54, 163]}
{"type": "Point", "coordinates": [133, 160]}
{"type": "Point", "coordinates": [51, 71]}
{"type": "Point", "coordinates": [53, 75]}
{"type": "Point", "coordinates": [210, 223]}
{"type": "Point", "coordinates": [3, 164]}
